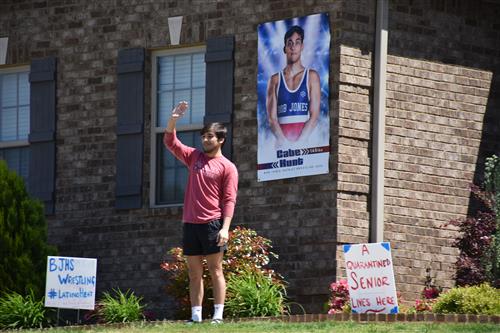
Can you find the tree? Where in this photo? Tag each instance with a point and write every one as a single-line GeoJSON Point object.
{"type": "Point", "coordinates": [23, 237]}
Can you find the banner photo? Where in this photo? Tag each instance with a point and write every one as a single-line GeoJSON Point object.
{"type": "Point", "coordinates": [292, 91]}
{"type": "Point", "coordinates": [70, 283]}
{"type": "Point", "coordinates": [370, 276]}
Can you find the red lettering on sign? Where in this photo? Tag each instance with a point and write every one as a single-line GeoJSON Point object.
{"type": "Point", "coordinates": [364, 249]}
{"type": "Point", "coordinates": [385, 300]}
{"type": "Point", "coordinates": [356, 303]}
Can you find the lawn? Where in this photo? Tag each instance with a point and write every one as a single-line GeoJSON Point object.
{"type": "Point", "coordinates": [271, 327]}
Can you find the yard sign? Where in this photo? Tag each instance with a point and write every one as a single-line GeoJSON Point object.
{"type": "Point", "coordinates": [370, 276]}
{"type": "Point", "coordinates": [70, 283]}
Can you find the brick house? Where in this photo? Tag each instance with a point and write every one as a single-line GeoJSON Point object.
{"type": "Point", "coordinates": [98, 72]}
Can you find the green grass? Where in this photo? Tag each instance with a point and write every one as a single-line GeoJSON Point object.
{"type": "Point", "coordinates": [272, 327]}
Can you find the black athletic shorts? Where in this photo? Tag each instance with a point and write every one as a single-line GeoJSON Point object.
{"type": "Point", "coordinates": [201, 239]}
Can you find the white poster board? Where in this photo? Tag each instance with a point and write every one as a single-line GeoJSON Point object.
{"type": "Point", "coordinates": [70, 283]}
{"type": "Point", "coordinates": [370, 276]}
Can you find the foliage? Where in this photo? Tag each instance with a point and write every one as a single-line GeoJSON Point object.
{"type": "Point", "coordinates": [479, 243]}
{"type": "Point", "coordinates": [339, 299]}
{"type": "Point", "coordinates": [247, 252]}
{"type": "Point", "coordinates": [23, 237]}
{"type": "Point", "coordinates": [430, 293]}
{"type": "Point", "coordinates": [17, 311]}
{"type": "Point", "coordinates": [491, 259]}
{"type": "Point", "coordinates": [482, 299]}
{"type": "Point", "coordinates": [253, 294]}
{"type": "Point", "coordinates": [120, 307]}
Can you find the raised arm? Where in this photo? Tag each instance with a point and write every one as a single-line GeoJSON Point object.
{"type": "Point", "coordinates": [170, 140]}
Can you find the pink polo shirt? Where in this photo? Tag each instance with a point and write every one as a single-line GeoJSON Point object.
{"type": "Point", "coordinates": [212, 183]}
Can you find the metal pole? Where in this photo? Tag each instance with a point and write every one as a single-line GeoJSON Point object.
{"type": "Point", "coordinates": [377, 197]}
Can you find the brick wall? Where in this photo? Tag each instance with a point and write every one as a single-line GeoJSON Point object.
{"type": "Point", "coordinates": [440, 125]}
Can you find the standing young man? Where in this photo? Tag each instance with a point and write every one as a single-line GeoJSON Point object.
{"type": "Point", "coordinates": [209, 203]}
{"type": "Point", "coordinates": [293, 94]}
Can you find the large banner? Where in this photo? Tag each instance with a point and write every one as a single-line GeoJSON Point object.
{"type": "Point", "coordinates": [292, 108]}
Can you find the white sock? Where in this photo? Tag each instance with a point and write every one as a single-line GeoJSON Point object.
{"type": "Point", "coordinates": [218, 311]}
{"type": "Point", "coordinates": [196, 313]}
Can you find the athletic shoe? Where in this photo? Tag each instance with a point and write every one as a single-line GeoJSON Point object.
{"type": "Point", "coordinates": [216, 321]}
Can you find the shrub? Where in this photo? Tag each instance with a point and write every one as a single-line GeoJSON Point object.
{"type": "Point", "coordinates": [339, 299]}
{"type": "Point", "coordinates": [23, 237]}
{"type": "Point", "coordinates": [246, 252]}
{"type": "Point", "coordinates": [17, 311]}
{"type": "Point", "coordinates": [120, 307]}
{"type": "Point", "coordinates": [479, 242]}
{"type": "Point", "coordinates": [482, 299]}
{"type": "Point", "coordinates": [253, 294]}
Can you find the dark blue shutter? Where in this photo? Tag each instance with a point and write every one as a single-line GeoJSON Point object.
{"type": "Point", "coordinates": [42, 163]}
{"type": "Point", "coordinates": [219, 59]}
{"type": "Point", "coordinates": [130, 128]}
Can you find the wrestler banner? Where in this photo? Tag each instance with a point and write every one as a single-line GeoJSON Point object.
{"type": "Point", "coordinates": [292, 87]}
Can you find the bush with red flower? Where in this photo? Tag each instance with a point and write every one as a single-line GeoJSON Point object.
{"type": "Point", "coordinates": [339, 299]}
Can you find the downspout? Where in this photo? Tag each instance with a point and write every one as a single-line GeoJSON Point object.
{"type": "Point", "coordinates": [379, 96]}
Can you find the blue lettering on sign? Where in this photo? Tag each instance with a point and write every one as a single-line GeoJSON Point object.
{"type": "Point", "coordinates": [76, 279]}
{"type": "Point", "coordinates": [81, 293]}
{"type": "Point", "coordinates": [64, 264]}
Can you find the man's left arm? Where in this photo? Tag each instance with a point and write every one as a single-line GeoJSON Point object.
{"type": "Point", "coordinates": [229, 193]}
{"type": "Point", "coordinates": [314, 104]}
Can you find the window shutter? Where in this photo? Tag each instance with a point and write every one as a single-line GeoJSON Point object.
{"type": "Point", "coordinates": [130, 128]}
{"type": "Point", "coordinates": [42, 131]}
{"type": "Point", "coordinates": [219, 59]}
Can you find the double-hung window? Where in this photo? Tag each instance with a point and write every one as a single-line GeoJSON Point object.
{"type": "Point", "coordinates": [177, 75]}
{"type": "Point", "coordinates": [15, 118]}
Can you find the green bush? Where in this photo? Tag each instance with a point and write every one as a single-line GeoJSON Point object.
{"type": "Point", "coordinates": [246, 252]}
{"type": "Point", "coordinates": [17, 311]}
{"type": "Point", "coordinates": [253, 294]}
{"type": "Point", "coordinates": [120, 307]}
{"type": "Point", "coordinates": [482, 299]}
{"type": "Point", "coordinates": [23, 237]}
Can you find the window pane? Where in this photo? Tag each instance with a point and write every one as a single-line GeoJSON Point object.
{"type": "Point", "coordinates": [165, 73]}
{"type": "Point", "coordinates": [8, 124]}
{"type": "Point", "coordinates": [23, 123]}
{"type": "Point", "coordinates": [165, 106]}
{"type": "Point", "coordinates": [9, 90]}
{"type": "Point", "coordinates": [171, 173]}
{"type": "Point", "coordinates": [198, 70]}
{"type": "Point", "coordinates": [24, 89]}
{"type": "Point", "coordinates": [17, 160]}
{"type": "Point", "coordinates": [198, 105]}
{"type": "Point", "coordinates": [182, 71]}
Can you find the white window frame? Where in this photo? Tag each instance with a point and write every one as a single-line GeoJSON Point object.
{"type": "Point", "coordinates": [155, 130]}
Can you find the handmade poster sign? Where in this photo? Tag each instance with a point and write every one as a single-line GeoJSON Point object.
{"type": "Point", "coordinates": [370, 276]}
{"type": "Point", "coordinates": [70, 283]}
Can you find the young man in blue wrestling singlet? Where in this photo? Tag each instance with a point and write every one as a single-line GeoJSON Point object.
{"type": "Point", "coordinates": [293, 94]}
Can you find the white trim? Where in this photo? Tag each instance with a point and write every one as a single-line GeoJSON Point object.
{"type": "Point", "coordinates": [155, 130]}
{"type": "Point", "coordinates": [14, 69]}
{"type": "Point", "coordinates": [14, 144]}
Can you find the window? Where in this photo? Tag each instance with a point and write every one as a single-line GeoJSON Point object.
{"type": "Point", "coordinates": [177, 75]}
{"type": "Point", "coordinates": [15, 119]}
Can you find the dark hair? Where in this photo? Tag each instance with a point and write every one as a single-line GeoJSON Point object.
{"type": "Point", "coordinates": [218, 128]}
{"type": "Point", "coordinates": [292, 30]}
